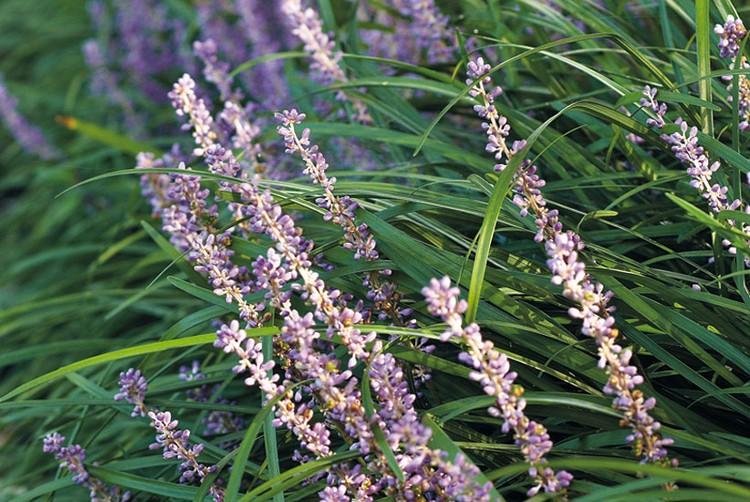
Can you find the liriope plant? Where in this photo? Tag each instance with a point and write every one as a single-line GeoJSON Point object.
{"type": "Point", "coordinates": [339, 237]}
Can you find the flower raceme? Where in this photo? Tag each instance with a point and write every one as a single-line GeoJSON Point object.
{"type": "Point", "coordinates": [334, 390]}
{"type": "Point", "coordinates": [133, 388]}
{"type": "Point", "coordinates": [72, 459]}
{"type": "Point", "coordinates": [563, 249]}
{"type": "Point", "coordinates": [341, 211]}
{"type": "Point", "coordinates": [492, 371]}
{"type": "Point", "coordinates": [28, 136]}
{"type": "Point", "coordinates": [326, 60]}
{"type": "Point", "coordinates": [174, 442]}
{"type": "Point", "coordinates": [730, 35]}
{"type": "Point", "coordinates": [686, 148]}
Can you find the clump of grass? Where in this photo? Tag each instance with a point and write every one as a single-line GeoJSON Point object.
{"type": "Point", "coordinates": [96, 282]}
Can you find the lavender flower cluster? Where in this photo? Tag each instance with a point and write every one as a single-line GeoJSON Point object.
{"type": "Point", "coordinates": [731, 34]}
{"type": "Point", "coordinates": [563, 249]}
{"type": "Point", "coordinates": [326, 59]}
{"type": "Point", "coordinates": [72, 459]}
{"type": "Point", "coordinates": [174, 442]}
{"type": "Point", "coordinates": [133, 388]}
{"type": "Point", "coordinates": [341, 211]}
{"type": "Point", "coordinates": [302, 352]}
{"type": "Point", "coordinates": [429, 28]}
{"type": "Point", "coordinates": [492, 371]}
{"type": "Point", "coordinates": [686, 148]}
{"type": "Point", "coordinates": [28, 136]}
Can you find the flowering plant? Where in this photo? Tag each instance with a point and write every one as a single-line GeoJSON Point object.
{"type": "Point", "coordinates": [395, 250]}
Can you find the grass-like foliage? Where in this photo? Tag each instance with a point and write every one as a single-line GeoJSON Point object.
{"type": "Point", "coordinates": [374, 250]}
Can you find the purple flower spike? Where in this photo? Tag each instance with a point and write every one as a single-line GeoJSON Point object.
{"type": "Point", "coordinates": [321, 48]}
{"type": "Point", "coordinates": [568, 270]}
{"type": "Point", "coordinates": [231, 338]}
{"type": "Point", "coordinates": [215, 71]}
{"type": "Point", "coordinates": [187, 104]}
{"type": "Point", "coordinates": [685, 146]}
{"type": "Point", "coordinates": [133, 390]}
{"type": "Point", "coordinates": [660, 109]}
{"type": "Point", "coordinates": [175, 443]}
{"type": "Point", "coordinates": [28, 136]}
{"type": "Point", "coordinates": [495, 125]}
{"type": "Point", "coordinates": [492, 371]}
{"type": "Point", "coordinates": [72, 459]}
{"type": "Point", "coordinates": [340, 211]}
{"type": "Point", "coordinates": [430, 29]}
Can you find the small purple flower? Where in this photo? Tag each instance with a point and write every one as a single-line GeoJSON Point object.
{"type": "Point", "coordinates": [133, 388]}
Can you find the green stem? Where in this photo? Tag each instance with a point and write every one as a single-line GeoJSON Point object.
{"type": "Point", "coordinates": [269, 431]}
